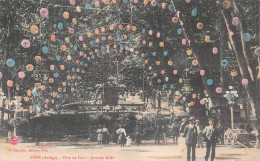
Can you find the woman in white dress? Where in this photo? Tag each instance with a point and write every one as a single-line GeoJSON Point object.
{"type": "Point", "coordinates": [99, 135]}
{"type": "Point", "coordinates": [121, 136]}
{"type": "Point", "coordinates": [182, 144]}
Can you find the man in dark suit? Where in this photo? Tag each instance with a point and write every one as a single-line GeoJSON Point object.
{"type": "Point", "coordinates": [210, 133]}
{"type": "Point", "coordinates": [191, 134]}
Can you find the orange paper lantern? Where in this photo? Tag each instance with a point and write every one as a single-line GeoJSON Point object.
{"type": "Point", "coordinates": [175, 19]}
{"type": "Point", "coordinates": [74, 21]}
{"type": "Point", "coordinates": [66, 15]}
{"type": "Point", "coordinates": [53, 38]}
{"type": "Point", "coordinates": [10, 83]}
{"type": "Point", "coordinates": [29, 67]}
{"type": "Point", "coordinates": [34, 29]}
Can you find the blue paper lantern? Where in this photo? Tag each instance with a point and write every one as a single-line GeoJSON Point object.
{"type": "Point", "coordinates": [73, 69]}
{"type": "Point", "coordinates": [81, 63]}
{"type": "Point", "coordinates": [165, 53]}
{"type": "Point", "coordinates": [224, 62]}
{"type": "Point", "coordinates": [91, 42]}
{"type": "Point", "coordinates": [131, 38]}
{"type": "Point", "coordinates": [182, 101]}
{"type": "Point", "coordinates": [87, 6]}
{"type": "Point", "coordinates": [58, 58]}
{"type": "Point", "coordinates": [170, 7]}
{"type": "Point", "coordinates": [171, 86]}
{"type": "Point", "coordinates": [67, 96]}
{"type": "Point", "coordinates": [60, 26]}
{"type": "Point", "coordinates": [154, 53]}
{"type": "Point", "coordinates": [75, 47]}
{"type": "Point", "coordinates": [179, 31]}
{"type": "Point", "coordinates": [209, 81]}
{"type": "Point", "coordinates": [56, 75]}
{"type": "Point", "coordinates": [229, 96]}
{"type": "Point", "coordinates": [10, 62]}
{"type": "Point", "coordinates": [121, 46]}
{"type": "Point", "coordinates": [145, 71]}
{"type": "Point", "coordinates": [194, 12]}
{"type": "Point", "coordinates": [165, 86]}
{"type": "Point", "coordinates": [124, 1]}
{"type": "Point", "coordinates": [118, 36]}
{"type": "Point", "coordinates": [68, 83]}
{"type": "Point", "coordinates": [35, 93]}
{"type": "Point", "coordinates": [246, 36]}
{"type": "Point", "coordinates": [39, 105]}
{"type": "Point", "coordinates": [45, 49]}
{"type": "Point", "coordinates": [143, 30]}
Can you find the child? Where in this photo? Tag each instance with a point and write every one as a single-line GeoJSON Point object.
{"type": "Point", "coordinates": [128, 141]}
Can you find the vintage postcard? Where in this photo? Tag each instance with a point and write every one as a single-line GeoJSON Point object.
{"type": "Point", "coordinates": [129, 80]}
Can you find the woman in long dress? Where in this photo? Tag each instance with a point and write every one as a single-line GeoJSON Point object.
{"type": "Point", "coordinates": [99, 135]}
{"type": "Point", "coordinates": [122, 136]}
{"type": "Point", "coordinates": [182, 144]}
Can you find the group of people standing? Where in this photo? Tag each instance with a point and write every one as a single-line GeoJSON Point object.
{"type": "Point", "coordinates": [102, 135]}
{"type": "Point", "coordinates": [192, 134]}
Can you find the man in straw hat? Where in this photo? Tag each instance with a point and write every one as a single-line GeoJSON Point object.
{"type": "Point", "coordinates": [191, 134]}
{"type": "Point", "coordinates": [211, 137]}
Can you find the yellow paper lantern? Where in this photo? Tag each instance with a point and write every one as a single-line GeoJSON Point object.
{"type": "Point", "coordinates": [29, 93]}
{"type": "Point", "coordinates": [114, 1]}
{"type": "Point", "coordinates": [67, 39]}
{"type": "Point", "coordinates": [89, 34]}
{"type": "Point", "coordinates": [233, 73]}
{"type": "Point", "coordinates": [111, 27]}
{"type": "Point", "coordinates": [37, 85]}
{"type": "Point", "coordinates": [164, 5]}
{"type": "Point", "coordinates": [150, 32]}
{"type": "Point", "coordinates": [154, 74]}
{"type": "Point", "coordinates": [146, 2]}
{"type": "Point", "coordinates": [175, 19]}
{"type": "Point", "coordinates": [226, 4]}
{"type": "Point", "coordinates": [115, 46]}
{"type": "Point", "coordinates": [189, 52]}
{"type": "Point", "coordinates": [207, 38]}
{"type": "Point", "coordinates": [163, 72]}
{"type": "Point", "coordinates": [180, 80]}
{"type": "Point", "coordinates": [54, 94]}
{"type": "Point", "coordinates": [103, 29]}
{"type": "Point", "coordinates": [43, 87]}
{"type": "Point", "coordinates": [52, 101]}
{"type": "Point", "coordinates": [26, 99]}
{"type": "Point", "coordinates": [64, 84]}
{"type": "Point", "coordinates": [161, 44]}
{"type": "Point", "coordinates": [6, 102]}
{"type": "Point", "coordinates": [146, 61]}
{"type": "Point", "coordinates": [106, 2]}
{"type": "Point", "coordinates": [136, 52]}
{"type": "Point", "coordinates": [53, 38]}
{"type": "Point", "coordinates": [69, 57]}
{"type": "Point", "coordinates": [38, 59]}
{"type": "Point", "coordinates": [120, 27]}
{"type": "Point", "coordinates": [73, 77]}
{"type": "Point", "coordinates": [63, 48]}
{"type": "Point", "coordinates": [34, 29]}
{"type": "Point", "coordinates": [128, 27]}
{"type": "Point", "coordinates": [134, 28]}
{"type": "Point", "coordinates": [98, 54]}
{"type": "Point", "coordinates": [150, 44]}
{"type": "Point", "coordinates": [29, 67]}
{"type": "Point", "coordinates": [66, 15]}
{"type": "Point", "coordinates": [84, 46]}
{"type": "Point", "coordinates": [97, 31]}
{"type": "Point", "coordinates": [47, 101]}
{"type": "Point", "coordinates": [81, 53]}
{"type": "Point", "coordinates": [74, 21]}
{"type": "Point", "coordinates": [10, 83]}
{"type": "Point", "coordinates": [51, 80]}
{"type": "Point", "coordinates": [158, 62]}
{"type": "Point", "coordinates": [62, 67]}
{"type": "Point", "coordinates": [170, 62]}
{"type": "Point", "coordinates": [200, 25]}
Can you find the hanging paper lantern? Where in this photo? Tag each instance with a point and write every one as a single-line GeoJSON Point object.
{"type": "Point", "coordinates": [71, 30]}
{"type": "Point", "coordinates": [176, 98]}
{"type": "Point", "coordinates": [29, 93]}
{"type": "Point", "coordinates": [63, 48]}
{"type": "Point", "coordinates": [73, 77]}
{"type": "Point", "coordinates": [215, 50]}
{"type": "Point", "coordinates": [146, 2]}
{"type": "Point", "coordinates": [159, 81]}
{"type": "Point", "coordinates": [72, 2]}
{"type": "Point", "coordinates": [25, 43]}
{"type": "Point", "coordinates": [175, 19]}
{"type": "Point", "coordinates": [111, 27]}
{"type": "Point", "coordinates": [60, 26]}
{"type": "Point", "coordinates": [62, 67]}
{"type": "Point", "coordinates": [226, 4]}
{"type": "Point", "coordinates": [158, 62]}
{"type": "Point", "coordinates": [209, 81]}
{"type": "Point", "coordinates": [153, 3]}
{"type": "Point", "coordinates": [183, 42]}
{"type": "Point", "coordinates": [184, 98]}
{"type": "Point", "coordinates": [229, 96]}
{"type": "Point", "coordinates": [200, 25]}
{"type": "Point", "coordinates": [97, 31]}
{"type": "Point", "coordinates": [154, 74]}
{"type": "Point", "coordinates": [52, 67]}
{"type": "Point", "coordinates": [21, 75]}
{"type": "Point", "coordinates": [78, 9]}
{"type": "Point", "coordinates": [89, 34]}
{"type": "Point", "coordinates": [194, 96]}
{"type": "Point", "coordinates": [180, 80]}
{"type": "Point", "coordinates": [67, 40]}
{"type": "Point", "coordinates": [170, 7]}
{"type": "Point", "coordinates": [35, 94]}
{"type": "Point", "coordinates": [45, 49]}
{"type": "Point", "coordinates": [235, 21]}
{"type": "Point", "coordinates": [245, 82]}
{"type": "Point", "coordinates": [51, 80]}
{"type": "Point", "coordinates": [53, 38]}
{"type": "Point", "coordinates": [114, 1]}
{"type": "Point", "coordinates": [163, 72]}
{"type": "Point", "coordinates": [164, 5]}
{"type": "Point", "coordinates": [87, 6]}
{"type": "Point", "coordinates": [188, 1]}
{"type": "Point", "coordinates": [202, 102]}
{"type": "Point", "coordinates": [74, 21]}
{"type": "Point", "coordinates": [165, 53]}
{"type": "Point", "coordinates": [257, 51]}
{"type": "Point", "coordinates": [134, 28]}
{"type": "Point", "coordinates": [233, 73]}
{"type": "Point", "coordinates": [246, 36]}
{"type": "Point", "coordinates": [207, 38]}
{"type": "Point", "coordinates": [120, 27]}
{"type": "Point", "coordinates": [175, 72]}
{"type": "Point", "coordinates": [103, 29]}
{"type": "Point", "coordinates": [56, 75]}
{"type": "Point", "coordinates": [150, 44]}
{"type": "Point", "coordinates": [179, 31]}
{"type": "Point", "coordinates": [43, 87]}
{"type": "Point", "coordinates": [218, 90]}
{"type": "Point", "coordinates": [128, 27]}
{"type": "Point", "coordinates": [34, 29]}
{"type": "Point", "coordinates": [170, 62]}
{"type": "Point", "coordinates": [161, 44]}
{"type": "Point", "coordinates": [106, 2]}
{"type": "Point", "coordinates": [10, 83]}
{"type": "Point", "coordinates": [26, 99]}
{"type": "Point", "coordinates": [194, 12]}
{"type": "Point", "coordinates": [38, 59]}
{"type": "Point", "coordinates": [84, 46]}
{"type": "Point", "coordinates": [10, 62]}
{"type": "Point", "coordinates": [59, 90]}
{"type": "Point", "coordinates": [189, 52]}
{"type": "Point", "coordinates": [192, 103]}
{"type": "Point", "coordinates": [52, 101]}
{"type": "Point", "coordinates": [202, 72]}
{"type": "Point", "coordinates": [195, 62]}
{"type": "Point", "coordinates": [166, 79]}
{"type": "Point", "coordinates": [29, 67]}
{"type": "Point", "coordinates": [143, 42]}
{"type": "Point", "coordinates": [68, 77]}
{"type": "Point", "coordinates": [170, 92]}
{"type": "Point", "coordinates": [44, 12]}
{"type": "Point", "coordinates": [150, 32]}
{"type": "Point", "coordinates": [146, 61]}
{"type": "Point", "coordinates": [19, 98]}
{"type": "Point", "coordinates": [66, 15]}
{"type": "Point", "coordinates": [224, 62]}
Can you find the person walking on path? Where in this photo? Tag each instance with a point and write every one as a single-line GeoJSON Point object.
{"type": "Point", "coordinates": [121, 135]}
{"type": "Point", "coordinates": [191, 134]}
{"type": "Point", "coordinates": [200, 137]}
{"type": "Point", "coordinates": [182, 139]}
{"type": "Point", "coordinates": [157, 134]}
{"type": "Point", "coordinates": [99, 135]}
{"type": "Point", "coordinates": [105, 135]}
{"type": "Point", "coordinates": [137, 132]}
{"type": "Point", "coordinates": [175, 132]}
{"type": "Point", "coordinates": [210, 134]}
{"type": "Point", "coordinates": [164, 130]}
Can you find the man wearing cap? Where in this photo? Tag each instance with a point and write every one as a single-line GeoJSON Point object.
{"type": "Point", "coordinates": [211, 137]}
{"type": "Point", "coordinates": [191, 134]}
{"type": "Point", "coordinates": [200, 137]}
